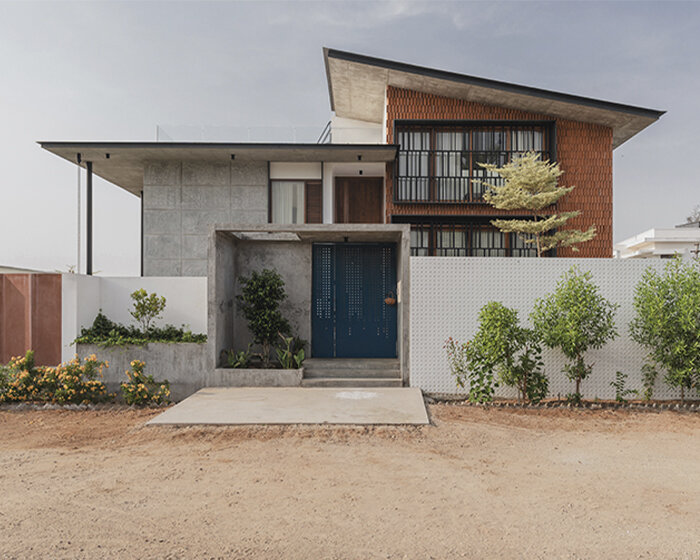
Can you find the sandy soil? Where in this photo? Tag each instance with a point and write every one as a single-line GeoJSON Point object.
{"type": "Point", "coordinates": [477, 484]}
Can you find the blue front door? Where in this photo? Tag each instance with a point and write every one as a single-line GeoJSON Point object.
{"type": "Point", "coordinates": [350, 318]}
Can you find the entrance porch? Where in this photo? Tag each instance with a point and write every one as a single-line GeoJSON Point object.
{"type": "Point", "coordinates": [347, 289]}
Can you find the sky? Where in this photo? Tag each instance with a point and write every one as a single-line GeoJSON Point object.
{"type": "Point", "coordinates": [113, 71]}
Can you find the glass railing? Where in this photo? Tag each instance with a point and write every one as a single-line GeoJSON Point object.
{"type": "Point", "coordinates": [268, 134]}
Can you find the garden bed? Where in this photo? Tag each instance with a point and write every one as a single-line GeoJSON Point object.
{"type": "Point", "coordinates": [183, 364]}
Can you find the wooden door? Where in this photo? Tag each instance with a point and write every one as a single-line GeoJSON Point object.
{"type": "Point", "coordinates": [359, 200]}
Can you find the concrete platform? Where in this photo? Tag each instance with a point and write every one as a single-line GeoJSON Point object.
{"type": "Point", "coordinates": [295, 405]}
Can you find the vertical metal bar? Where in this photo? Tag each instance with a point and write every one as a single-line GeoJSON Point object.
{"type": "Point", "coordinates": [141, 233]}
{"type": "Point", "coordinates": [77, 264]}
{"type": "Point", "coordinates": [88, 270]}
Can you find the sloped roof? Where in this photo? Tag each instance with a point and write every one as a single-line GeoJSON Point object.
{"type": "Point", "coordinates": [357, 85]}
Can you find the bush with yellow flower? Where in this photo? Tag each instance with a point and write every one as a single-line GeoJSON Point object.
{"type": "Point", "coordinates": [72, 382]}
{"type": "Point", "coordinates": [142, 388]}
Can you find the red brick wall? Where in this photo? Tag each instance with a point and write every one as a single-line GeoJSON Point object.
{"type": "Point", "coordinates": [584, 152]}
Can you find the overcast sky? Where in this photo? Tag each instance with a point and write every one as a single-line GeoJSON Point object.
{"type": "Point", "coordinates": [101, 71]}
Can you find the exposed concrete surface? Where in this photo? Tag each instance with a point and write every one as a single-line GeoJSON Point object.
{"type": "Point", "coordinates": [182, 199]}
{"type": "Point", "coordinates": [242, 377]}
{"type": "Point", "coordinates": [183, 364]}
{"type": "Point", "coordinates": [298, 406]}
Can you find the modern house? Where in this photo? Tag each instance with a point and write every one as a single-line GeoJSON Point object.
{"type": "Point", "coordinates": [395, 174]}
{"type": "Point", "coordinates": [662, 243]}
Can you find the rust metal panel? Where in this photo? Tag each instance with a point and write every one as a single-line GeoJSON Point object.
{"type": "Point", "coordinates": [30, 316]}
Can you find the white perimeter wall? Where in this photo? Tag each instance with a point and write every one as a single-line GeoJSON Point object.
{"type": "Point", "coordinates": [83, 297]}
{"type": "Point", "coordinates": [448, 292]}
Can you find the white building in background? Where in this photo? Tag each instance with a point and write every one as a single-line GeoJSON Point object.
{"type": "Point", "coordinates": [683, 240]}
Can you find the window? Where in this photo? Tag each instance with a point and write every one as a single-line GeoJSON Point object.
{"type": "Point", "coordinates": [441, 163]}
{"type": "Point", "coordinates": [295, 202]}
{"type": "Point", "coordinates": [442, 238]}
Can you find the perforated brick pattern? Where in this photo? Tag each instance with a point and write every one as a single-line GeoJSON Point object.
{"type": "Point", "coordinates": [448, 292]}
{"type": "Point", "coordinates": [584, 152]}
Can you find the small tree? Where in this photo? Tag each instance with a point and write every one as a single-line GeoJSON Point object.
{"type": "Point", "coordinates": [694, 215]}
{"type": "Point", "coordinates": [503, 350]}
{"type": "Point", "coordinates": [260, 298]}
{"type": "Point", "coordinates": [667, 323]}
{"type": "Point", "coordinates": [575, 318]}
{"type": "Point", "coordinates": [530, 185]}
{"type": "Point", "coordinates": [147, 308]}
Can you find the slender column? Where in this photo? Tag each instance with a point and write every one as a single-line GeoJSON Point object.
{"type": "Point", "coordinates": [141, 233]}
{"type": "Point", "coordinates": [88, 165]}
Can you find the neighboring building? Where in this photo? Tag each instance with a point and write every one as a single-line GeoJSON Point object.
{"type": "Point", "coordinates": [683, 240]}
{"type": "Point", "coordinates": [394, 174]}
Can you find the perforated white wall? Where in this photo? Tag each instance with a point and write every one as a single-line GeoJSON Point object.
{"type": "Point", "coordinates": [448, 292]}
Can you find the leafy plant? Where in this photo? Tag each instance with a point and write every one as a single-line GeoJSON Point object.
{"type": "Point", "coordinates": [240, 358]}
{"type": "Point", "coordinates": [511, 350]}
{"type": "Point", "coordinates": [106, 333]}
{"type": "Point", "coordinates": [287, 357]}
{"type": "Point", "coordinates": [471, 371]}
{"type": "Point", "coordinates": [530, 185]}
{"type": "Point", "coordinates": [575, 318]}
{"type": "Point", "coordinates": [142, 388]}
{"type": "Point", "coordinates": [147, 308]}
{"type": "Point", "coordinates": [69, 382]}
{"type": "Point", "coordinates": [649, 375]}
{"type": "Point", "coordinates": [260, 298]}
{"type": "Point", "coordinates": [619, 386]}
{"type": "Point", "coordinates": [667, 324]}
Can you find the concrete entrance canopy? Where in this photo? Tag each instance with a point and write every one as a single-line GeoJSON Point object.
{"type": "Point", "coordinates": [238, 250]}
{"type": "Point", "coordinates": [357, 87]}
{"type": "Point", "coordinates": [123, 163]}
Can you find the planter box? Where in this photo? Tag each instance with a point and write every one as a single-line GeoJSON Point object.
{"type": "Point", "coordinates": [241, 377]}
{"type": "Point", "coordinates": [183, 364]}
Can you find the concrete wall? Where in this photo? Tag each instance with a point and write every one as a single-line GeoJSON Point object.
{"type": "Point", "coordinates": [184, 365]}
{"type": "Point", "coordinates": [293, 262]}
{"type": "Point", "coordinates": [182, 200]}
{"type": "Point", "coordinates": [84, 296]}
{"type": "Point", "coordinates": [448, 292]}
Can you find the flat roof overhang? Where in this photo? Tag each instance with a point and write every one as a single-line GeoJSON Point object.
{"type": "Point", "coordinates": [329, 233]}
{"type": "Point", "coordinates": [357, 85]}
{"type": "Point", "coordinates": [122, 163]}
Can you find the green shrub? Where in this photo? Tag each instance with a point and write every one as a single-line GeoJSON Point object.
{"type": "Point", "coordinates": [240, 358]}
{"type": "Point", "coordinates": [288, 356]}
{"type": "Point", "coordinates": [105, 333]}
{"type": "Point", "coordinates": [502, 351]}
{"type": "Point", "coordinates": [667, 324]}
{"type": "Point", "coordinates": [142, 388]}
{"type": "Point", "coordinates": [24, 381]}
{"type": "Point", "coordinates": [77, 383]}
{"type": "Point", "coordinates": [469, 373]}
{"type": "Point", "coordinates": [260, 298]}
{"type": "Point", "coordinates": [619, 385]}
{"type": "Point", "coordinates": [575, 318]}
{"type": "Point", "coordinates": [147, 308]}
{"type": "Point", "coordinates": [69, 382]}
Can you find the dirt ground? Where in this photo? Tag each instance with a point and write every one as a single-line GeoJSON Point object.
{"type": "Point", "coordinates": [479, 483]}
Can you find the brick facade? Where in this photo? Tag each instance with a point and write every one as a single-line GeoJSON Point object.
{"type": "Point", "coordinates": [583, 150]}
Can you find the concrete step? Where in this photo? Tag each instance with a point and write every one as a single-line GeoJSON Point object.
{"type": "Point", "coordinates": [357, 382]}
{"type": "Point", "coordinates": [351, 363]}
{"type": "Point", "coordinates": [351, 372]}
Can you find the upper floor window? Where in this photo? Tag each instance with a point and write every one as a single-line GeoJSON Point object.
{"type": "Point", "coordinates": [441, 163]}
{"type": "Point", "coordinates": [295, 202]}
{"type": "Point", "coordinates": [463, 238]}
